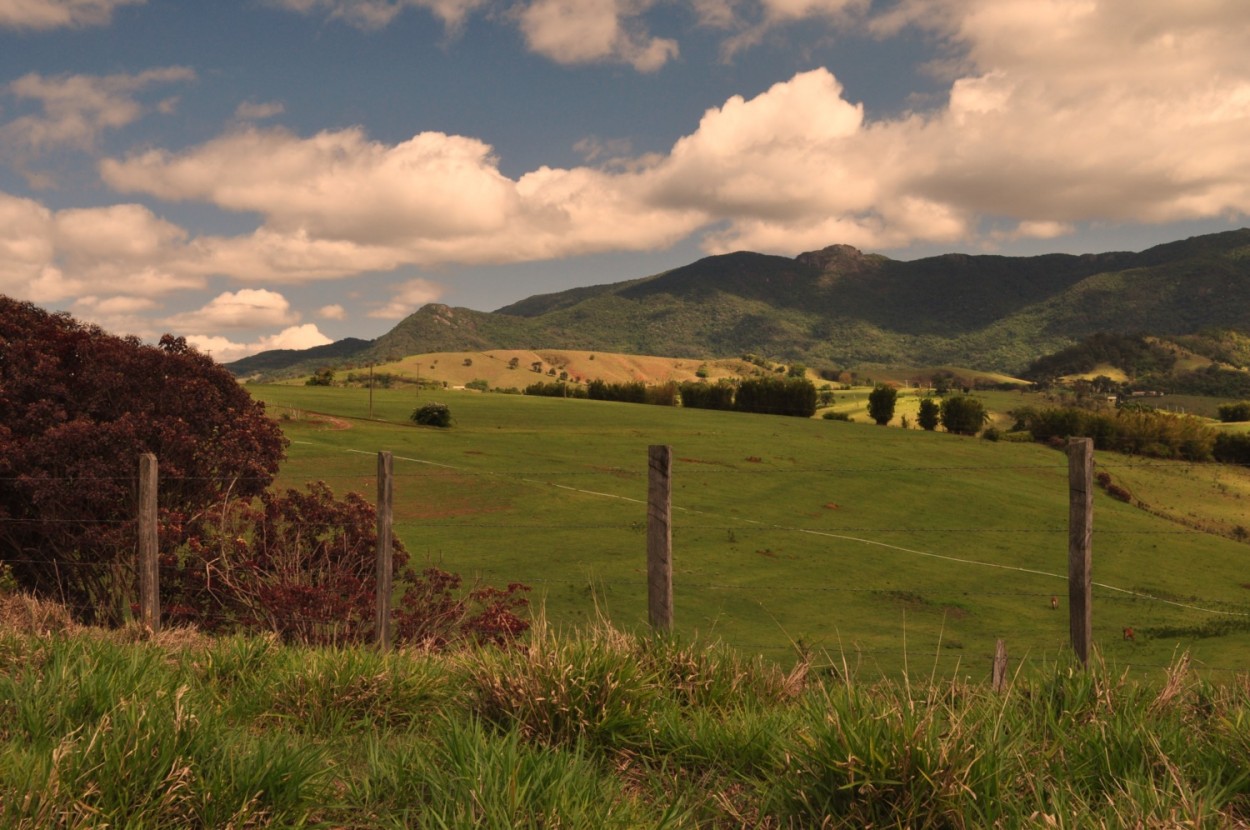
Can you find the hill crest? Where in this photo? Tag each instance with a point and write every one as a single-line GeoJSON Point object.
{"type": "Point", "coordinates": [840, 308]}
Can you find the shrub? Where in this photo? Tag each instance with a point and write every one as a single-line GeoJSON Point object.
{"type": "Point", "coordinates": [480, 384]}
{"type": "Point", "coordinates": [1233, 412]}
{"type": "Point", "coordinates": [837, 416]}
{"type": "Point", "coordinates": [1232, 448]}
{"type": "Point", "coordinates": [322, 377]}
{"type": "Point", "coordinates": [303, 565]}
{"type": "Point", "coordinates": [77, 408]}
{"type": "Point", "coordinates": [432, 414]}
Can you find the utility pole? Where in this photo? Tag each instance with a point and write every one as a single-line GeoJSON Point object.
{"type": "Point", "coordinates": [370, 391]}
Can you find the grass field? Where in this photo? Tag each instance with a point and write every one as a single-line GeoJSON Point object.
{"type": "Point", "coordinates": [891, 547]}
{"type": "Point", "coordinates": [585, 730]}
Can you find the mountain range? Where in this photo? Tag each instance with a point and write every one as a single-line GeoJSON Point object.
{"type": "Point", "coordinates": [841, 308]}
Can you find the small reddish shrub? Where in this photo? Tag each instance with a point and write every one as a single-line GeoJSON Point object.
{"type": "Point", "coordinates": [303, 564]}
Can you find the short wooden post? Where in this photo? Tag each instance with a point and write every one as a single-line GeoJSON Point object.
{"type": "Point", "coordinates": [1000, 666]}
{"type": "Point", "coordinates": [385, 505]}
{"type": "Point", "coordinates": [1080, 536]}
{"type": "Point", "coordinates": [660, 538]}
{"type": "Point", "coordinates": [149, 575]}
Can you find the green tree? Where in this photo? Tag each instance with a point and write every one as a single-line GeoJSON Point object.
{"type": "Point", "coordinates": [929, 415]}
{"type": "Point", "coordinates": [322, 377]}
{"type": "Point", "coordinates": [963, 415]}
{"type": "Point", "coordinates": [1233, 412]}
{"type": "Point", "coordinates": [432, 415]}
{"type": "Point", "coordinates": [881, 401]}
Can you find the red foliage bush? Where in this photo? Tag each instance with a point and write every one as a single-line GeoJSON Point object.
{"type": "Point", "coordinates": [303, 564]}
{"type": "Point", "coordinates": [77, 408]}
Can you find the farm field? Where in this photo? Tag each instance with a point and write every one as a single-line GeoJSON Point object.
{"type": "Point", "coordinates": [894, 548]}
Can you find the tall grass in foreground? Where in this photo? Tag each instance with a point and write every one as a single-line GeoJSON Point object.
{"type": "Point", "coordinates": [594, 728]}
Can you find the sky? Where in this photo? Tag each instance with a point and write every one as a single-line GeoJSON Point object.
{"type": "Point", "coordinates": [259, 174]}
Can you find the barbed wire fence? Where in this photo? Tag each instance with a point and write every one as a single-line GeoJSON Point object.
{"type": "Point", "coordinates": [656, 523]}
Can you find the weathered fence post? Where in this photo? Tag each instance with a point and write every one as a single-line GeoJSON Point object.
{"type": "Point", "coordinates": [149, 575]}
{"type": "Point", "coordinates": [1000, 666]}
{"type": "Point", "coordinates": [1080, 533]}
{"type": "Point", "coordinates": [385, 504]}
{"type": "Point", "coordinates": [660, 537]}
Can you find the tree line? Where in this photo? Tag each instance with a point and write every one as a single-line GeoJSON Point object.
{"type": "Point", "coordinates": [767, 395]}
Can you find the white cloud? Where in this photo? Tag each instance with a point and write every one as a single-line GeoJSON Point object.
{"type": "Point", "coordinates": [335, 185]}
{"type": "Point", "coordinates": [1107, 111]}
{"type": "Point", "coordinates": [1060, 112]}
{"type": "Point", "coordinates": [338, 204]}
{"type": "Point", "coordinates": [76, 108]}
{"type": "Point", "coordinates": [54, 14]}
{"type": "Point", "coordinates": [590, 31]}
{"type": "Point", "coordinates": [48, 256]}
{"type": "Point", "coordinates": [122, 314]}
{"type": "Point", "coordinates": [295, 337]}
{"type": "Point", "coordinates": [376, 14]}
{"type": "Point", "coordinates": [332, 312]}
{"type": "Point", "coordinates": [407, 298]}
{"type": "Point", "coordinates": [225, 350]}
{"type": "Point", "coordinates": [253, 111]}
{"type": "Point", "coordinates": [247, 308]}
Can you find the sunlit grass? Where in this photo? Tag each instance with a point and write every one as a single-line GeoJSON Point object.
{"type": "Point", "coordinates": [791, 534]}
{"type": "Point", "coordinates": [596, 728]}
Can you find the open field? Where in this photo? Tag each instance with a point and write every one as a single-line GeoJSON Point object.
{"type": "Point", "coordinates": [890, 546]}
{"type": "Point", "coordinates": [518, 368]}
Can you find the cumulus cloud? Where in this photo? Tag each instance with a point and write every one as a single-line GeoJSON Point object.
{"type": "Point", "coordinates": [247, 308]}
{"type": "Point", "coordinates": [121, 314]}
{"type": "Point", "coordinates": [1058, 113]}
{"type": "Point", "coordinates": [332, 312]}
{"type": "Point", "coordinates": [55, 14]}
{"type": "Point", "coordinates": [407, 298]}
{"type": "Point", "coordinates": [591, 31]}
{"type": "Point", "coordinates": [224, 350]}
{"type": "Point", "coordinates": [1103, 111]}
{"type": "Point", "coordinates": [337, 203]}
{"type": "Point", "coordinates": [76, 108]}
{"type": "Point", "coordinates": [48, 256]}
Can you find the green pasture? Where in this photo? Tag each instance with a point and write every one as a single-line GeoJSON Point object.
{"type": "Point", "coordinates": [894, 548]}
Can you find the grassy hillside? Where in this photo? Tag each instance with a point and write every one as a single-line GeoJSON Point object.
{"type": "Point", "coordinates": [791, 535]}
{"type": "Point", "coordinates": [841, 308]}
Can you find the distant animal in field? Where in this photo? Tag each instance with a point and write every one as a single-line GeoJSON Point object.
{"type": "Point", "coordinates": [1128, 633]}
{"type": "Point", "coordinates": [1054, 603]}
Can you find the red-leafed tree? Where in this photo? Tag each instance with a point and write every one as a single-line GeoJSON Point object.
{"type": "Point", "coordinates": [77, 408]}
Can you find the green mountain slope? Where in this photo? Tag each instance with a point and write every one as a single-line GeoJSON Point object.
{"type": "Point", "coordinates": [840, 307]}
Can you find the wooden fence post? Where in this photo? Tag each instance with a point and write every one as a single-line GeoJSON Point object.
{"type": "Point", "coordinates": [149, 575]}
{"type": "Point", "coordinates": [660, 538]}
{"type": "Point", "coordinates": [1000, 666]}
{"type": "Point", "coordinates": [1080, 534]}
{"type": "Point", "coordinates": [385, 504]}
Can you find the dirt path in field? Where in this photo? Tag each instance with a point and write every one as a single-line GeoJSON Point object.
{"type": "Point", "coordinates": [330, 421]}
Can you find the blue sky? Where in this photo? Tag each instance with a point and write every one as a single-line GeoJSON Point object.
{"type": "Point", "coordinates": [259, 174]}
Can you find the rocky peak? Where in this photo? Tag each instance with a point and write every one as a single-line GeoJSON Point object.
{"type": "Point", "coordinates": [833, 258]}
